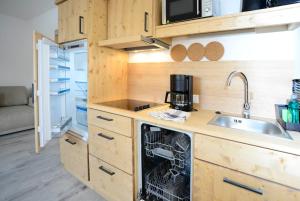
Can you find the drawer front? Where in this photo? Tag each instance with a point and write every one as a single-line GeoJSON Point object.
{"type": "Point", "coordinates": [112, 122]}
{"type": "Point", "coordinates": [74, 156]}
{"type": "Point", "coordinates": [267, 164]}
{"type": "Point", "coordinates": [110, 182]}
{"type": "Point", "coordinates": [215, 183]}
{"type": "Point", "coordinates": [112, 148]}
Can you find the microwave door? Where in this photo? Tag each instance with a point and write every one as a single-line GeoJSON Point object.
{"type": "Point", "coordinates": [180, 10]}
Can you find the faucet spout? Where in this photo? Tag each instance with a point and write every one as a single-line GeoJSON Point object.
{"type": "Point", "coordinates": [246, 106]}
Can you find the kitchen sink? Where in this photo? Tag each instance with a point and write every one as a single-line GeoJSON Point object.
{"type": "Point", "coordinates": [251, 125]}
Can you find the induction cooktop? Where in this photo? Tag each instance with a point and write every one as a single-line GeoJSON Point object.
{"type": "Point", "coordinates": [129, 104]}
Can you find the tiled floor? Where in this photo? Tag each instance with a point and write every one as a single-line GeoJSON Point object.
{"type": "Point", "coordinates": [27, 176]}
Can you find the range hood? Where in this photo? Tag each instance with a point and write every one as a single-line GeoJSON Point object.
{"type": "Point", "coordinates": [149, 44]}
{"type": "Point", "coordinates": [136, 43]}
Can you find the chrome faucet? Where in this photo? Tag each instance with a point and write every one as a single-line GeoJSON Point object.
{"type": "Point", "coordinates": [246, 107]}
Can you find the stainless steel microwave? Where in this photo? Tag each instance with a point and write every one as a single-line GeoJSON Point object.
{"type": "Point", "coordinates": [180, 10]}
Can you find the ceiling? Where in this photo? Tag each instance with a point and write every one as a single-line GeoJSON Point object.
{"type": "Point", "coordinates": [25, 9]}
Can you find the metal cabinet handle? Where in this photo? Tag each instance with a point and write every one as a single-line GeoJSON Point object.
{"type": "Point", "coordinates": [70, 142]}
{"type": "Point", "coordinates": [104, 118]}
{"type": "Point", "coordinates": [81, 23]}
{"type": "Point", "coordinates": [243, 186]}
{"type": "Point", "coordinates": [106, 171]}
{"type": "Point", "coordinates": [146, 22]}
{"type": "Point", "coordinates": [105, 136]}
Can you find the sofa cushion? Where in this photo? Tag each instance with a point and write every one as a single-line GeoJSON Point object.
{"type": "Point", "coordinates": [14, 95]}
{"type": "Point", "coordinates": [16, 117]}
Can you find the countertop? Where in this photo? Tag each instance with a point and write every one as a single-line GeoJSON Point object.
{"type": "Point", "coordinates": [198, 123]}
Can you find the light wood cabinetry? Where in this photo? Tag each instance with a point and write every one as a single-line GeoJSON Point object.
{"type": "Point", "coordinates": [129, 18]}
{"type": "Point", "coordinates": [111, 155]}
{"type": "Point", "coordinates": [111, 147]}
{"type": "Point", "coordinates": [72, 20]}
{"type": "Point", "coordinates": [74, 156]}
{"type": "Point", "coordinates": [112, 122]}
{"type": "Point", "coordinates": [264, 163]}
{"type": "Point", "coordinates": [215, 183]}
{"type": "Point", "coordinates": [112, 183]}
{"type": "Point", "coordinates": [283, 15]}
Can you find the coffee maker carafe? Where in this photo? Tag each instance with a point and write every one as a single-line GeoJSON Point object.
{"type": "Point", "coordinates": [181, 92]}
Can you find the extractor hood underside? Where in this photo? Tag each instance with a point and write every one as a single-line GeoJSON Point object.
{"type": "Point", "coordinates": [137, 43]}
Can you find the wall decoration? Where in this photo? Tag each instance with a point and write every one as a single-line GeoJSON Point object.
{"type": "Point", "coordinates": [196, 52]}
{"type": "Point", "coordinates": [214, 51]}
{"type": "Point", "coordinates": [178, 53]}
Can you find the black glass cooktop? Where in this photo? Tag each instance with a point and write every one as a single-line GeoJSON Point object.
{"type": "Point", "coordinates": [132, 105]}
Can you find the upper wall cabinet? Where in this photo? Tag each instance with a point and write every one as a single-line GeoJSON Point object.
{"type": "Point", "coordinates": [72, 16]}
{"type": "Point", "coordinates": [128, 18]}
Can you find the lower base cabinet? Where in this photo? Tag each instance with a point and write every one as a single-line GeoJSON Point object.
{"type": "Point", "coordinates": [215, 183]}
{"type": "Point", "coordinates": [110, 182]}
{"type": "Point", "coordinates": [74, 156]}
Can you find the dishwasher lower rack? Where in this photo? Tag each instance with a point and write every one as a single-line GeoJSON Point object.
{"type": "Point", "coordinates": [171, 147]}
{"type": "Point", "coordinates": [166, 184]}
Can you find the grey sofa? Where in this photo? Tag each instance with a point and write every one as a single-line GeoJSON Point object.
{"type": "Point", "coordinates": [15, 112]}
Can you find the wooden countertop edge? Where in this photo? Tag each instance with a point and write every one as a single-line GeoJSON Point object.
{"type": "Point", "coordinates": [203, 117]}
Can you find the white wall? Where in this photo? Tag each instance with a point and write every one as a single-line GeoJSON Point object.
{"type": "Point", "coordinates": [46, 23]}
{"type": "Point", "coordinates": [279, 44]}
{"type": "Point", "coordinates": [15, 52]}
{"type": "Point", "coordinates": [16, 59]}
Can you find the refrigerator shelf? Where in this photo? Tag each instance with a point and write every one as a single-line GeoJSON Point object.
{"type": "Point", "coordinates": [60, 92]}
{"type": "Point", "coordinates": [59, 67]}
{"type": "Point", "coordinates": [60, 126]}
{"type": "Point", "coordinates": [58, 80]}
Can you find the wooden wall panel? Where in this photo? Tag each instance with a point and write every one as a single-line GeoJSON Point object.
{"type": "Point", "coordinates": [107, 67]}
{"type": "Point", "coordinates": [269, 83]}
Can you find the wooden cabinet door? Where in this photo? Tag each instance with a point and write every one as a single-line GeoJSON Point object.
{"type": "Point", "coordinates": [215, 183]}
{"type": "Point", "coordinates": [72, 20]}
{"type": "Point", "coordinates": [130, 18]}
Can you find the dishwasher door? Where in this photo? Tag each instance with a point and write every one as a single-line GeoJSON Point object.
{"type": "Point", "coordinates": [165, 163]}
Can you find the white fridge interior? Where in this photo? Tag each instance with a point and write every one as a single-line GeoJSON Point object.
{"type": "Point", "coordinates": [62, 89]}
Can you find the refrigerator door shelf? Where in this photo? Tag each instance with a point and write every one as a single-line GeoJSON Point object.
{"type": "Point", "coordinates": [59, 80]}
{"type": "Point", "coordinates": [61, 126]}
{"type": "Point", "coordinates": [60, 92]}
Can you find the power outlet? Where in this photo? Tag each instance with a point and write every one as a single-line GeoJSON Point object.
{"type": "Point", "coordinates": [196, 98]}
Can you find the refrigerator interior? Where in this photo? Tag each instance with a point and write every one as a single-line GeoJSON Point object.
{"type": "Point", "coordinates": [62, 83]}
{"type": "Point", "coordinates": [165, 164]}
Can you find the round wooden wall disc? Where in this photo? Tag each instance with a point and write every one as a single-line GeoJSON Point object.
{"type": "Point", "coordinates": [214, 51]}
{"type": "Point", "coordinates": [178, 53]}
{"type": "Point", "coordinates": [196, 52]}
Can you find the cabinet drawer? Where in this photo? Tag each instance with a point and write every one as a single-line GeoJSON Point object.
{"type": "Point", "coordinates": [112, 122]}
{"type": "Point", "coordinates": [215, 183]}
{"type": "Point", "coordinates": [111, 147]}
{"type": "Point", "coordinates": [74, 156]}
{"type": "Point", "coordinates": [267, 164]}
{"type": "Point", "coordinates": [110, 182]}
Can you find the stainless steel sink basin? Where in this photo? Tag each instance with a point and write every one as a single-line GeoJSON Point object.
{"type": "Point", "coordinates": [252, 125]}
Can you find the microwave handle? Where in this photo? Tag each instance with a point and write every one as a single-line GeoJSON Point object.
{"type": "Point", "coordinates": [198, 7]}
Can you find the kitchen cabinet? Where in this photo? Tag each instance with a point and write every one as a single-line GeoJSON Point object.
{"type": "Point", "coordinates": [130, 18]}
{"type": "Point", "coordinates": [74, 156]}
{"type": "Point", "coordinates": [257, 161]}
{"type": "Point", "coordinates": [72, 20]}
{"type": "Point", "coordinates": [110, 182]}
{"type": "Point", "coordinates": [111, 155]}
{"type": "Point", "coordinates": [215, 183]}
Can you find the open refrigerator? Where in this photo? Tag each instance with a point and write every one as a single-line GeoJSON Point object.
{"type": "Point", "coordinates": [61, 89]}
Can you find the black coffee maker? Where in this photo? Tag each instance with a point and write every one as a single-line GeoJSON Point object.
{"type": "Point", "coordinates": [181, 92]}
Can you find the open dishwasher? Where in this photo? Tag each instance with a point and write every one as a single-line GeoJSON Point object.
{"type": "Point", "coordinates": [165, 162]}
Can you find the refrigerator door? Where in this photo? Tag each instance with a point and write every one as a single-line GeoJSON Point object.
{"type": "Point", "coordinates": [51, 91]}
